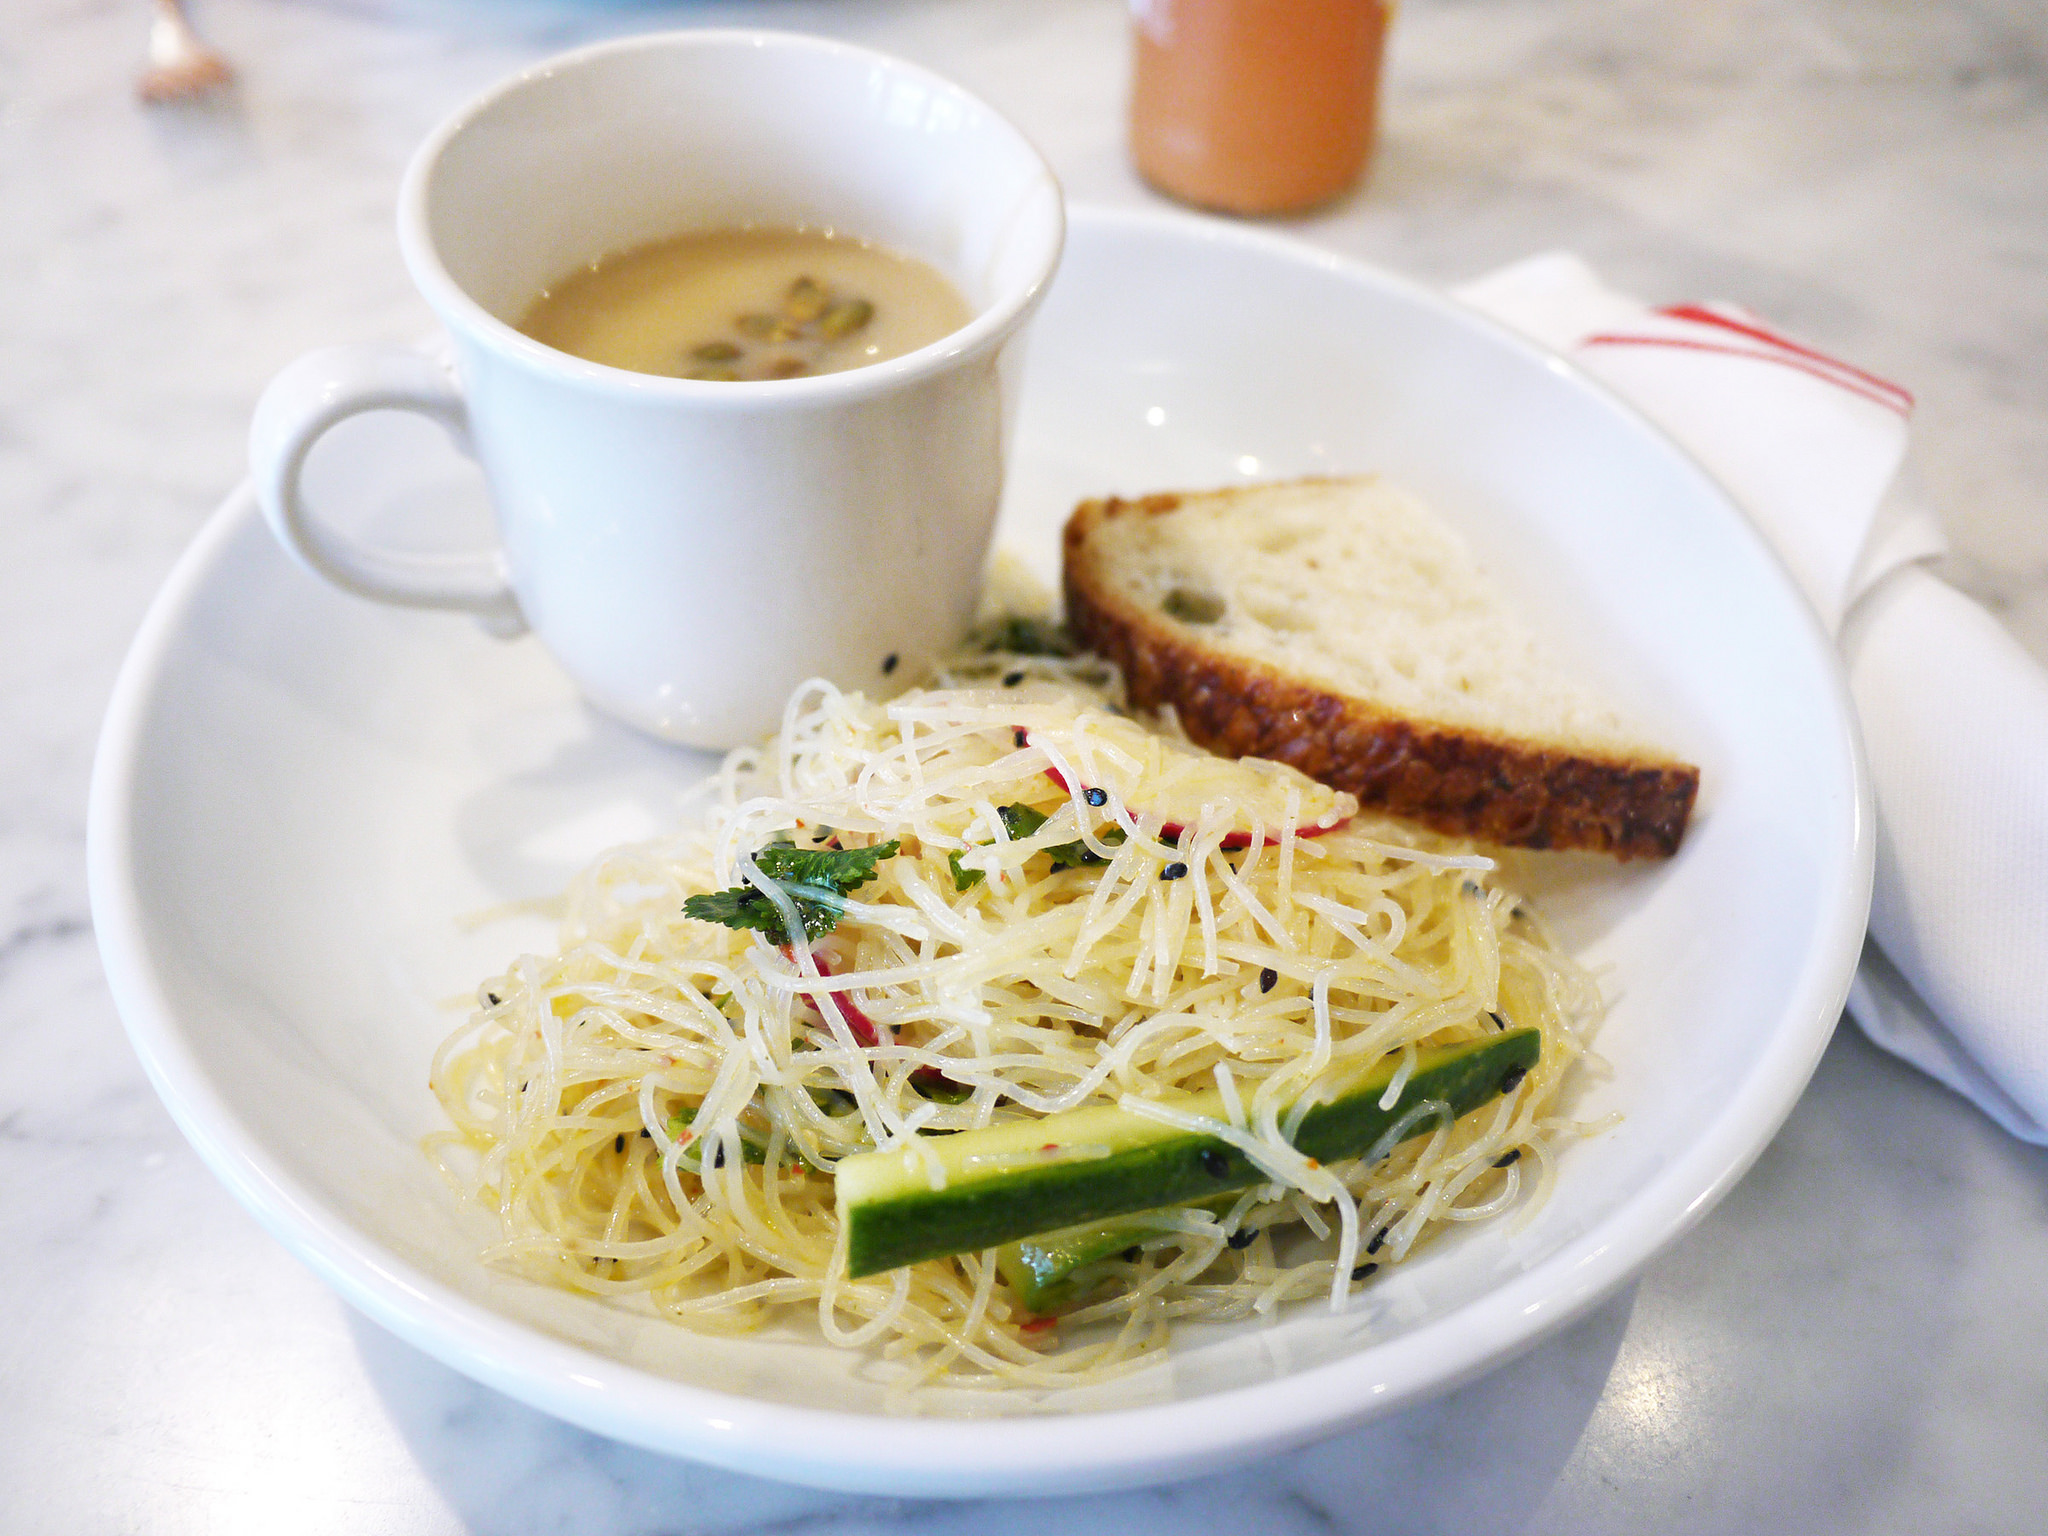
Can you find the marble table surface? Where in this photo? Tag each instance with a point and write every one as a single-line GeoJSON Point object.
{"type": "Point", "coordinates": [1855, 1340]}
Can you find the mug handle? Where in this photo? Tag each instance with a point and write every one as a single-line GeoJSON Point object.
{"type": "Point", "coordinates": [317, 392]}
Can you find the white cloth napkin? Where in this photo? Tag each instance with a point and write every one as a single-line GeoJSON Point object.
{"type": "Point", "coordinates": [1954, 712]}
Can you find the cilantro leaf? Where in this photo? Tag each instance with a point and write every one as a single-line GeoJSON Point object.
{"type": "Point", "coordinates": [816, 880]}
{"type": "Point", "coordinates": [740, 907]}
{"type": "Point", "coordinates": [1020, 821]}
{"type": "Point", "coordinates": [1077, 853]}
{"type": "Point", "coordinates": [836, 869]}
{"type": "Point", "coordinates": [963, 879]}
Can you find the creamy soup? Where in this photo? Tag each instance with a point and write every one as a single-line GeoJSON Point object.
{"type": "Point", "coordinates": [745, 304]}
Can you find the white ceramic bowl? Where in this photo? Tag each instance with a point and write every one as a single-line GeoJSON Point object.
{"type": "Point", "coordinates": [299, 794]}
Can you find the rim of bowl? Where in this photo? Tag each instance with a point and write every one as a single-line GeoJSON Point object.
{"type": "Point", "coordinates": [1022, 1454]}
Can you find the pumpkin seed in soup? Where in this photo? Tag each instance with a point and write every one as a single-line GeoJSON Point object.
{"type": "Point", "coordinates": [786, 302]}
{"type": "Point", "coordinates": [813, 318]}
{"type": "Point", "coordinates": [844, 318]}
{"type": "Point", "coordinates": [805, 301]}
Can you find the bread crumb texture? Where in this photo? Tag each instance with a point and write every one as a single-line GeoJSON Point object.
{"type": "Point", "coordinates": [1341, 626]}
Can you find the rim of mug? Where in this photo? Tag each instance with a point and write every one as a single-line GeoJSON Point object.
{"type": "Point", "coordinates": [458, 311]}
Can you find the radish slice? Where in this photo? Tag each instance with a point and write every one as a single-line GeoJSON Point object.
{"type": "Point", "coordinates": [929, 1080]}
{"type": "Point", "coordinates": [858, 1023]}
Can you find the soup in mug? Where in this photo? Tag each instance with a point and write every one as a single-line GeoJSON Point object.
{"type": "Point", "coordinates": [747, 304]}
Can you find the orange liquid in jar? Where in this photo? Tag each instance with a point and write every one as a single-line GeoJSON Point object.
{"type": "Point", "coordinates": [1255, 106]}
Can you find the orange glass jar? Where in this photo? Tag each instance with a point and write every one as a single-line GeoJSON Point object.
{"type": "Point", "coordinates": [1255, 106]}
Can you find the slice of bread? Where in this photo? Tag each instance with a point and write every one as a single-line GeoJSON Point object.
{"type": "Point", "coordinates": [1340, 626]}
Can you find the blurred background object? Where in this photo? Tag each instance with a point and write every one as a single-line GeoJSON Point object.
{"type": "Point", "coordinates": [181, 66]}
{"type": "Point", "coordinates": [1255, 106]}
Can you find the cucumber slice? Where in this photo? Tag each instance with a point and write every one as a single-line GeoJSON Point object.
{"type": "Point", "coordinates": [1024, 1177]}
{"type": "Point", "coordinates": [1051, 1272]}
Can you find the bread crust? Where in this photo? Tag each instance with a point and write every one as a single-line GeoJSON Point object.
{"type": "Point", "coordinates": [1514, 793]}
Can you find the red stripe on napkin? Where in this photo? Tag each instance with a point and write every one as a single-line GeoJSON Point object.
{"type": "Point", "coordinates": [1838, 374]}
{"type": "Point", "coordinates": [1699, 314]}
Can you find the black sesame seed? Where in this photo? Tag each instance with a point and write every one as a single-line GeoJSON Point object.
{"type": "Point", "coordinates": [1133, 1253]}
{"type": "Point", "coordinates": [1511, 1079]}
{"type": "Point", "coordinates": [1012, 679]}
{"type": "Point", "coordinates": [889, 663]}
{"type": "Point", "coordinates": [1096, 796]}
{"type": "Point", "coordinates": [619, 1142]}
{"type": "Point", "coordinates": [493, 999]}
{"type": "Point", "coordinates": [1508, 1157]}
{"type": "Point", "coordinates": [718, 1157]}
{"type": "Point", "coordinates": [1498, 1021]}
{"type": "Point", "coordinates": [1363, 1270]}
{"type": "Point", "coordinates": [1244, 1237]}
{"type": "Point", "coordinates": [1214, 1163]}
{"type": "Point", "coordinates": [1174, 871]}
{"type": "Point", "coordinates": [1268, 979]}
{"type": "Point", "coordinates": [1020, 738]}
{"type": "Point", "coordinates": [645, 1132]}
{"type": "Point", "coordinates": [1379, 1240]}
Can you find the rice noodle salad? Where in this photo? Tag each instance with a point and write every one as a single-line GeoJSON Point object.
{"type": "Point", "coordinates": [1052, 906]}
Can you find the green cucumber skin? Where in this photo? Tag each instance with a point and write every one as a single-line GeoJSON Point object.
{"type": "Point", "coordinates": [1174, 1168]}
{"type": "Point", "coordinates": [1048, 1271]}
{"type": "Point", "coordinates": [1348, 1127]}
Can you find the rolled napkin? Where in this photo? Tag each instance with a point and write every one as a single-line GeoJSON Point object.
{"type": "Point", "coordinates": [1954, 712]}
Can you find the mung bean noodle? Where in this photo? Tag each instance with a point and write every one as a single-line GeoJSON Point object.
{"type": "Point", "coordinates": [654, 1111]}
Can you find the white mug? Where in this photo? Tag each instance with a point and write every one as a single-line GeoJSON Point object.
{"type": "Point", "coordinates": [690, 551]}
